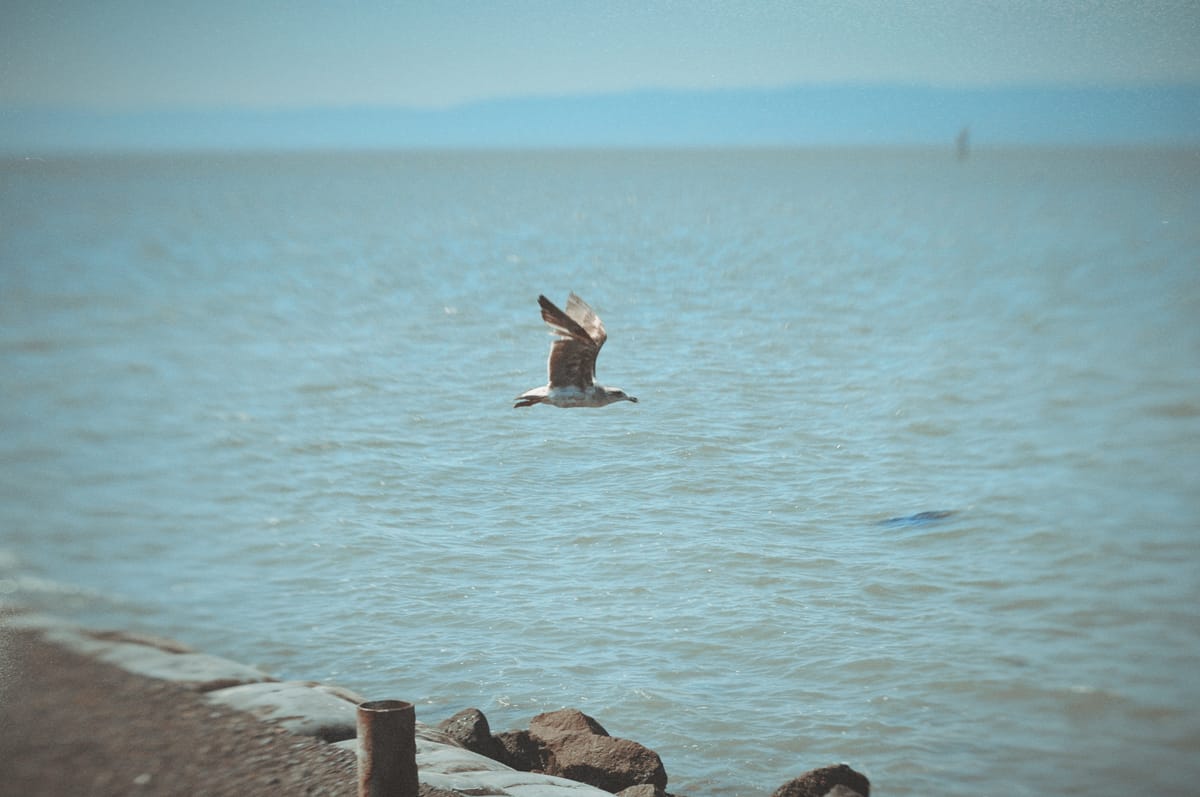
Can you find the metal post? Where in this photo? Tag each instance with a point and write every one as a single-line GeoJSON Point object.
{"type": "Point", "coordinates": [387, 749]}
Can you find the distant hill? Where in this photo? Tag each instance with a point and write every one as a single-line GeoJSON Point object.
{"type": "Point", "coordinates": [798, 116]}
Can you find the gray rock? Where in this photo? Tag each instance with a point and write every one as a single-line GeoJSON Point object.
{"type": "Point", "coordinates": [641, 790]}
{"type": "Point", "coordinates": [296, 706]}
{"type": "Point", "coordinates": [341, 692]}
{"type": "Point", "coordinates": [149, 640]}
{"type": "Point", "coordinates": [454, 760]}
{"type": "Point", "coordinates": [437, 752]}
{"type": "Point", "coordinates": [198, 671]}
{"type": "Point", "coordinates": [428, 733]}
{"type": "Point", "coordinates": [425, 790]}
{"type": "Point", "coordinates": [83, 639]}
{"type": "Point", "coordinates": [510, 782]}
{"type": "Point", "coordinates": [151, 656]}
{"type": "Point", "coordinates": [822, 782]}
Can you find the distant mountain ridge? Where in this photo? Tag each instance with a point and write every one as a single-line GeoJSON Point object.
{"type": "Point", "coordinates": [868, 115]}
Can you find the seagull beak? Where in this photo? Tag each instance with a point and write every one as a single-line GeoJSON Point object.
{"type": "Point", "coordinates": [632, 398]}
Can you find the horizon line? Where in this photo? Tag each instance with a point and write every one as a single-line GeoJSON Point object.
{"type": "Point", "coordinates": [781, 88]}
{"type": "Point", "coordinates": [819, 114]}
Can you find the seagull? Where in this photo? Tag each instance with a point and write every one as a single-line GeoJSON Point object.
{"type": "Point", "coordinates": [572, 363]}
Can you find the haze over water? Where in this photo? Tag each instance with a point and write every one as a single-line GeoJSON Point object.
{"type": "Point", "coordinates": [263, 404]}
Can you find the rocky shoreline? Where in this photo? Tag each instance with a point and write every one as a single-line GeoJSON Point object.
{"type": "Point", "coordinates": [81, 709]}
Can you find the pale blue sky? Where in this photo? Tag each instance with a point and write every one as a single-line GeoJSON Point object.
{"type": "Point", "coordinates": [138, 54]}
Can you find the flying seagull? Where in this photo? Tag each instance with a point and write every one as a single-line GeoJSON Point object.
{"type": "Point", "coordinates": [572, 362]}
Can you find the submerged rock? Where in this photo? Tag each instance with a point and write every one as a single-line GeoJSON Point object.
{"type": "Point", "coordinates": [919, 519]}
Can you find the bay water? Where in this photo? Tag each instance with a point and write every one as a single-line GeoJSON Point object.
{"type": "Point", "coordinates": [912, 482]}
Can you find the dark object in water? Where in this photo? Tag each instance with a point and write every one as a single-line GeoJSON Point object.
{"type": "Point", "coordinates": [919, 519]}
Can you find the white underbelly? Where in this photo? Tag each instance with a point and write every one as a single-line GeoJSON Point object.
{"type": "Point", "coordinates": [568, 397]}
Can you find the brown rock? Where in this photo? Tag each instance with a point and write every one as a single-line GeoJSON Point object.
{"type": "Point", "coordinates": [469, 728]}
{"type": "Point", "coordinates": [572, 745]}
{"type": "Point", "coordinates": [567, 720]}
{"type": "Point", "coordinates": [820, 782]}
{"type": "Point", "coordinates": [579, 748]}
{"type": "Point", "coordinates": [604, 762]}
{"type": "Point", "coordinates": [521, 751]}
{"type": "Point", "coordinates": [842, 791]}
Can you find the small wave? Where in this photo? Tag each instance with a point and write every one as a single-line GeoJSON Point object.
{"type": "Point", "coordinates": [29, 586]}
{"type": "Point", "coordinates": [1178, 409]}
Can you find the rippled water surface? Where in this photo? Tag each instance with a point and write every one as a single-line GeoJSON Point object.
{"type": "Point", "coordinates": [263, 404]}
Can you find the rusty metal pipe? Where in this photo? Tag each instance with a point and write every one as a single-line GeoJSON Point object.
{"type": "Point", "coordinates": [387, 749]}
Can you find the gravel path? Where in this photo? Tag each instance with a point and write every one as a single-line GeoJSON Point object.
{"type": "Point", "coordinates": [70, 725]}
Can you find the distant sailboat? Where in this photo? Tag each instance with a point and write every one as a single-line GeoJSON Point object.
{"type": "Point", "coordinates": [962, 143]}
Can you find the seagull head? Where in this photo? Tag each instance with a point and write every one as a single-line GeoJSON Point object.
{"type": "Point", "coordinates": [617, 394]}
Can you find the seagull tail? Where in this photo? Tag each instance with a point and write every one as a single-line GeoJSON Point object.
{"type": "Point", "coordinates": [531, 397]}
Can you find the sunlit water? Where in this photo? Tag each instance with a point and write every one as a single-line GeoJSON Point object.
{"type": "Point", "coordinates": [263, 404]}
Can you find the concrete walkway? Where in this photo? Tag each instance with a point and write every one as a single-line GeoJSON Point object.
{"type": "Point", "coordinates": [303, 708]}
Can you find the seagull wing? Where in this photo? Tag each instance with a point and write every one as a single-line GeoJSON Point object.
{"type": "Point", "coordinates": [580, 336]}
{"type": "Point", "coordinates": [586, 317]}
